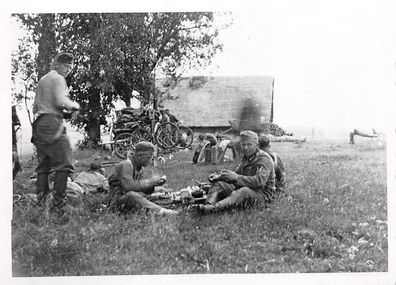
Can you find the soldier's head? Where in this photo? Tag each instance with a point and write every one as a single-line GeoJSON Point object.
{"type": "Point", "coordinates": [264, 142]}
{"type": "Point", "coordinates": [96, 166]}
{"type": "Point", "coordinates": [249, 142]}
{"type": "Point", "coordinates": [63, 63]}
{"type": "Point", "coordinates": [143, 153]}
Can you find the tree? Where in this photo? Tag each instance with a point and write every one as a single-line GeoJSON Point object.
{"type": "Point", "coordinates": [33, 57]}
{"type": "Point", "coordinates": [117, 54]}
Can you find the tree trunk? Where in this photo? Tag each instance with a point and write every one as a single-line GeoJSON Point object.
{"type": "Point", "coordinates": [47, 44]}
{"type": "Point", "coordinates": [93, 125]}
{"type": "Point", "coordinates": [93, 131]}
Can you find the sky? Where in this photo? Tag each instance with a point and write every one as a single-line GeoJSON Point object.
{"type": "Point", "coordinates": [328, 59]}
{"type": "Point", "coordinates": [331, 60]}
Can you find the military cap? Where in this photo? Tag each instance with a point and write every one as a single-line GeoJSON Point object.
{"type": "Point", "coordinates": [249, 135]}
{"type": "Point", "coordinates": [144, 146]}
{"type": "Point", "coordinates": [264, 140]}
{"type": "Point", "coordinates": [64, 57]}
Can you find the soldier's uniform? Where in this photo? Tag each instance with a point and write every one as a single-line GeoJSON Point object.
{"type": "Point", "coordinates": [49, 134]}
{"type": "Point", "coordinates": [279, 167]}
{"type": "Point", "coordinates": [129, 190]}
{"type": "Point", "coordinates": [264, 144]}
{"type": "Point", "coordinates": [15, 157]}
{"type": "Point", "coordinates": [255, 182]}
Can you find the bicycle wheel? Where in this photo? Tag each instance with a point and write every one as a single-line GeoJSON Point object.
{"type": "Point", "coordinates": [167, 135]}
{"type": "Point", "coordinates": [122, 144]}
{"type": "Point", "coordinates": [141, 134]}
{"type": "Point", "coordinates": [186, 137]}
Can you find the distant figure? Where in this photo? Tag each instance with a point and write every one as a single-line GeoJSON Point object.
{"type": "Point", "coordinates": [264, 144]}
{"type": "Point", "coordinates": [16, 166]}
{"type": "Point", "coordinates": [164, 116]}
{"type": "Point", "coordinates": [361, 133]}
{"type": "Point", "coordinates": [172, 118]}
{"type": "Point", "coordinates": [207, 141]}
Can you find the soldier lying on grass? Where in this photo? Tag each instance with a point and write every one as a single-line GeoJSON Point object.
{"type": "Point", "coordinates": [367, 134]}
{"type": "Point", "coordinates": [252, 181]}
{"type": "Point", "coordinates": [92, 181]}
{"type": "Point", "coordinates": [128, 189]}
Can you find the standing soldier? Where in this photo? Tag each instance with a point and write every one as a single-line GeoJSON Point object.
{"type": "Point", "coordinates": [49, 134]}
{"type": "Point", "coordinates": [16, 167]}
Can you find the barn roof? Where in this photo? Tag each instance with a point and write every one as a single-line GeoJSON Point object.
{"type": "Point", "coordinates": [213, 101]}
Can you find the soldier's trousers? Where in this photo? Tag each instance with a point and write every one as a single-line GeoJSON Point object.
{"type": "Point", "coordinates": [224, 195]}
{"type": "Point", "coordinates": [135, 200]}
{"type": "Point", "coordinates": [53, 145]}
{"type": "Point", "coordinates": [53, 153]}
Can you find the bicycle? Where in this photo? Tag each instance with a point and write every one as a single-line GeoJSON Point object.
{"type": "Point", "coordinates": [165, 135]}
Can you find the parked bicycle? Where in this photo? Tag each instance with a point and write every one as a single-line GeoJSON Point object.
{"type": "Point", "coordinates": [146, 127]}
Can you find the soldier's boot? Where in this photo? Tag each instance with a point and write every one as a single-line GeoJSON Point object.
{"type": "Point", "coordinates": [60, 185]}
{"type": "Point", "coordinates": [42, 187]}
{"type": "Point", "coordinates": [212, 198]}
{"type": "Point", "coordinates": [215, 194]}
{"type": "Point", "coordinates": [207, 208]}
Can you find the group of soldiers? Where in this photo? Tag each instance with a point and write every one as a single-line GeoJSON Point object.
{"type": "Point", "coordinates": [259, 176]}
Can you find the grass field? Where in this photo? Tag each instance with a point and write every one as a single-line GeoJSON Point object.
{"type": "Point", "coordinates": [332, 218]}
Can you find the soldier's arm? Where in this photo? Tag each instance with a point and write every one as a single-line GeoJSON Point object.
{"type": "Point", "coordinates": [61, 94]}
{"type": "Point", "coordinates": [259, 179]}
{"type": "Point", "coordinates": [105, 184]}
{"type": "Point", "coordinates": [238, 168]}
{"type": "Point", "coordinates": [129, 184]}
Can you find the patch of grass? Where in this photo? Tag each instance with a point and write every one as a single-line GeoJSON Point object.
{"type": "Point", "coordinates": [332, 218]}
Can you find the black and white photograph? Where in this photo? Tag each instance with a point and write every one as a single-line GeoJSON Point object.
{"type": "Point", "coordinates": [211, 143]}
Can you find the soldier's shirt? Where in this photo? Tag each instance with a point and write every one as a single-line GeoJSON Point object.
{"type": "Point", "coordinates": [256, 172]}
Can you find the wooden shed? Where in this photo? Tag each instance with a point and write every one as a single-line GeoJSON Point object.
{"type": "Point", "coordinates": [209, 103]}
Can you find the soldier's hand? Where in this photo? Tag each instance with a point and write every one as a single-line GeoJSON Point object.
{"type": "Point", "coordinates": [159, 180]}
{"type": "Point", "coordinates": [162, 180]}
{"type": "Point", "coordinates": [229, 175]}
{"type": "Point", "coordinates": [214, 177]}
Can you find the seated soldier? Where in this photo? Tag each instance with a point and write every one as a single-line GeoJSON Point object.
{"type": "Point", "coordinates": [253, 180]}
{"type": "Point", "coordinates": [128, 189]}
{"type": "Point", "coordinates": [264, 144]}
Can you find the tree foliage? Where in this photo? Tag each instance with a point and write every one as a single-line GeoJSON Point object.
{"type": "Point", "coordinates": [117, 54]}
